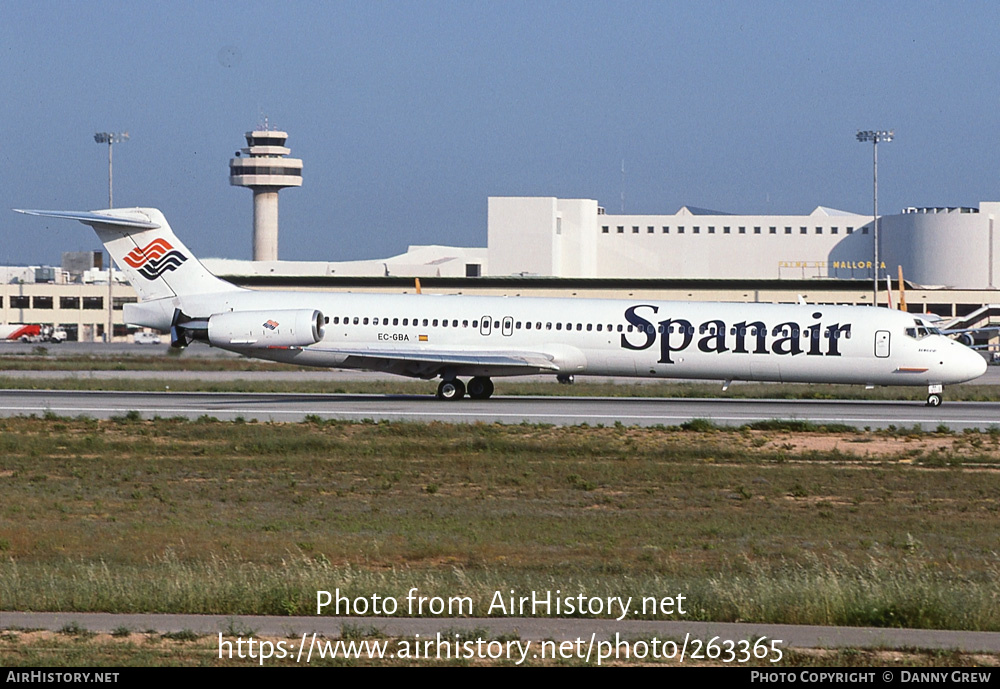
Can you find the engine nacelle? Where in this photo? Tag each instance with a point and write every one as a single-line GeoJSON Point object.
{"type": "Point", "coordinates": [966, 339]}
{"type": "Point", "coordinates": [262, 329]}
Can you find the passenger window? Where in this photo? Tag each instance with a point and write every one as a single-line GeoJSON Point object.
{"type": "Point", "coordinates": [558, 326]}
{"type": "Point", "coordinates": [355, 320]}
{"type": "Point", "coordinates": [548, 326]}
{"type": "Point", "coordinates": [434, 323]}
{"type": "Point", "coordinates": [395, 321]}
{"type": "Point", "coordinates": [336, 320]}
{"type": "Point", "coordinates": [590, 326]}
{"type": "Point", "coordinates": [475, 324]}
{"type": "Point", "coordinates": [425, 322]}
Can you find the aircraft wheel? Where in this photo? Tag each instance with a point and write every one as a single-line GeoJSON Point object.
{"type": "Point", "coordinates": [480, 388]}
{"type": "Point", "coordinates": [565, 379]}
{"type": "Point", "coordinates": [451, 390]}
{"type": "Point", "coordinates": [934, 400]}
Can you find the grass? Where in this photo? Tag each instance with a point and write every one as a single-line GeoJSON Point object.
{"type": "Point", "coordinates": [772, 524]}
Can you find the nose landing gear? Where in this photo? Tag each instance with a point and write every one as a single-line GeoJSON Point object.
{"type": "Point", "coordinates": [934, 395]}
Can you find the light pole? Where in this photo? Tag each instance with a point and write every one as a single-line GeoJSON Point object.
{"type": "Point", "coordinates": [110, 138]}
{"type": "Point", "coordinates": [875, 137]}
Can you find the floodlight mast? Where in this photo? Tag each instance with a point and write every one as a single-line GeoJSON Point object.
{"type": "Point", "coordinates": [110, 138]}
{"type": "Point", "coordinates": [875, 137]}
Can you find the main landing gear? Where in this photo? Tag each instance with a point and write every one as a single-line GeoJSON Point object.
{"type": "Point", "coordinates": [479, 388]}
{"type": "Point", "coordinates": [934, 395]}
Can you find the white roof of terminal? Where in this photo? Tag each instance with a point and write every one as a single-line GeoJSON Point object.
{"type": "Point", "coordinates": [694, 210]}
{"type": "Point", "coordinates": [820, 210]}
{"type": "Point", "coordinates": [823, 210]}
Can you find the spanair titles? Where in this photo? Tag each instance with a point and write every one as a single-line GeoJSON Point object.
{"type": "Point", "coordinates": [788, 338]}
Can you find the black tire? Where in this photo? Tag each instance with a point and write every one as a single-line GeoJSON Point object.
{"type": "Point", "coordinates": [934, 400]}
{"type": "Point", "coordinates": [450, 390]}
{"type": "Point", "coordinates": [480, 388]}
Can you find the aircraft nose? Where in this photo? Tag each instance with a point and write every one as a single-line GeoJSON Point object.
{"type": "Point", "coordinates": [962, 364]}
{"type": "Point", "coordinates": [977, 364]}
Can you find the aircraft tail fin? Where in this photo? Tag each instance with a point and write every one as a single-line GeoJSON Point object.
{"type": "Point", "coordinates": [155, 261]}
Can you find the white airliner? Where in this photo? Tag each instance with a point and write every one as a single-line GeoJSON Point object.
{"type": "Point", "coordinates": [479, 338]}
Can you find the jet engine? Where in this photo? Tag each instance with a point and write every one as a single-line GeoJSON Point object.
{"type": "Point", "coordinates": [263, 329]}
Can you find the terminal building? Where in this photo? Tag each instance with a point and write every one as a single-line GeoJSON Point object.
{"type": "Point", "coordinates": [575, 238]}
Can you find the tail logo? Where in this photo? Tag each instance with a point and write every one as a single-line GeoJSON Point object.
{"type": "Point", "coordinates": [155, 259]}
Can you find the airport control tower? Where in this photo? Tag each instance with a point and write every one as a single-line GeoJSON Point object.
{"type": "Point", "coordinates": [264, 168]}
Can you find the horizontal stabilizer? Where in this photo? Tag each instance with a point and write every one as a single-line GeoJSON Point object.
{"type": "Point", "coordinates": [88, 218]}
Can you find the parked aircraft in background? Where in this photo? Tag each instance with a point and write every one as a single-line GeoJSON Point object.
{"type": "Point", "coordinates": [480, 338]}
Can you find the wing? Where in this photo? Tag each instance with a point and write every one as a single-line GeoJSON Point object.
{"type": "Point", "coordinates": [966, 335]}
{"type": "Point", "coordinates": [423, 363]}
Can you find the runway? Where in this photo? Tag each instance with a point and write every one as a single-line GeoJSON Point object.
{"type": "Point", "coordinates": [563, 411]}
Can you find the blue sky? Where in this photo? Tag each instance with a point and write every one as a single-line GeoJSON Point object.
{"type": "Point", "coordinates": [408, 115]}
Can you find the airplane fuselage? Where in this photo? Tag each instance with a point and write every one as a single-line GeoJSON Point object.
{"type": "Point", "coordinates": [644, 338]}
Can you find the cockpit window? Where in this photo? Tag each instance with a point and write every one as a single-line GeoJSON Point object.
{"type": "Point", "coordinates": [921, 330]}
